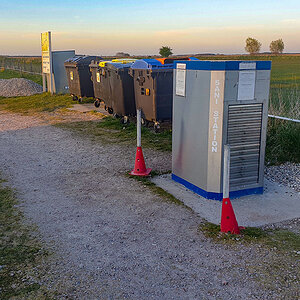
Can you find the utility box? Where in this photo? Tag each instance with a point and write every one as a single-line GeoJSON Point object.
{"type": "Point", "coordinates": [217, 103]}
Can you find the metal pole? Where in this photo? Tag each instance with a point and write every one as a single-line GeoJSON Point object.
{"type": "Point", "coordinates": [139, 127]}
{"type": "Point", "coordinates": [226, 171]}
{"type": "Point", "coordinates": [44, 82]}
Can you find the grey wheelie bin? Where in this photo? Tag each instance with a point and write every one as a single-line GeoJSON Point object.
{"type": "Point", "coordinates": [96, 79]}
{"type": "Point", "coordinates": [116, 88]}
{"type": "Point", "coordinates": [79, 76]}
{"type": "Point", "coordinates": [153, 86]}
{"type": "Point", "coordinates": [121, 89]}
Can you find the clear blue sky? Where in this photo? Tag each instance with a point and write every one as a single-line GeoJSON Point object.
{"type": "Point", "coordinates": [141, 27]}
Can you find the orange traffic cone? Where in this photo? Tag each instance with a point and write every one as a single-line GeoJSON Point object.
{"type": "Point", "coordinates": [140, 166]}
{"type": "Point", "coordinates": [228, 220]}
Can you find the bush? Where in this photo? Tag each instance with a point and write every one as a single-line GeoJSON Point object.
{"type": "Point", "coordinates": [283, 142]}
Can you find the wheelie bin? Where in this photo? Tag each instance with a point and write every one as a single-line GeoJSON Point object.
{"type": "Point", "coordinates": [96, 79]}
{"type": "Point", "coordinates": [79, 76]}
{"type": "Point", "coordinates": [153, 86]}
{"type": "Point", "coordinates": [101, 84]}
{"type": "Point", "coordinates": [121, 89]}
{"type": "Point", "coordinates": [116, 88]}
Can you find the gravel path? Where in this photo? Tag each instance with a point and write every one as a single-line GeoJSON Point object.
{"type": "Point", "coordinates": [19, 87]}
{"type": "Point", "coordinates": [285, 174]}
{"type": "Point", "coordinates": [112, 237]}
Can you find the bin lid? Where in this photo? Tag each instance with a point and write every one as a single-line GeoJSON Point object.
{"type": "Point", "coordinates": [103, 63]}
{"type": "Point", "coordinates": [170, 60]}
{"type": "Point", "coordinates": [158, 63]}
{"type": "Point", "coordinates": [81, 59]}
{"type": "Point", "coordinates": [124, 60]}
{"type": "Point", "coordinates": [118, 65]}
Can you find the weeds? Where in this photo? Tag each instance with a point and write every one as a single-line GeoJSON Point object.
{"type": "Point", "coordinates": [146, 181]}
{"type": "Point", "coordinates": [19, 252]}
{"type": "Point", "coordinates": [283, 240]}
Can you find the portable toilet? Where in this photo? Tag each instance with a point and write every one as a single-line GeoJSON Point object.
{"type": "Point", "coordinates": [217, 103]}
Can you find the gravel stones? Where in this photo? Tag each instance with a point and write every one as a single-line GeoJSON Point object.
{"type": "Point", "coordinates": [19, 87]}
{"type": "Point", "coordinates": [285, 174]}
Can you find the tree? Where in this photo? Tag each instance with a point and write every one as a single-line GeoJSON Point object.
{"type": "Point", "coordinates": [252, 45]}
{"type": "Point", "coordinates": [165, 51]}
{"type": "Point", "coordinates": [277, 46]}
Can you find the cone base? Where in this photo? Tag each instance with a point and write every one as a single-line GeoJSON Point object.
{"type": "Point", "coordinates": [145, 173]}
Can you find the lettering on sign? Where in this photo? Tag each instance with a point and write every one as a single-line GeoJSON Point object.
{"type": "Point", "coordinates": [215, 117]}
{"type": "Point", "coordinates": [215, 132]}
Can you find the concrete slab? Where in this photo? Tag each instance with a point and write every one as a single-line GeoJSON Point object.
{"type": "Point", "coordinates": [88, 107]}
{"type": "Point", "coordinates": [278, 203]}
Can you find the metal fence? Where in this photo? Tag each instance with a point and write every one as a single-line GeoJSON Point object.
{"type": "Point", "coordinates": [26, 65]}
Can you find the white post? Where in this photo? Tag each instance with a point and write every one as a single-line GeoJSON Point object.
{"type": "Point", "coordinates": [139, 127]}
{"type": "Point", "coordinates": [226, 171]}
{"type": "Point", "coordinates": [51, 67]}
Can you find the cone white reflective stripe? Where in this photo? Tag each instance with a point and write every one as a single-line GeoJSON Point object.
{"type": "Point", "coordinates": [226, 171]}
{"type": "Point", "coordinates": [139, 127]}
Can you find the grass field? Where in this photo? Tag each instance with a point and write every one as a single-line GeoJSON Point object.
{"type": "Point", "coordinates": [8, 74]}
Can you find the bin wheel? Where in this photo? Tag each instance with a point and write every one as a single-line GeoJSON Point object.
{"type": "Point", "coordinates": [105, 107]}
{"type": "Point", "coordinates": [97, 103]}
{"type": "Point", "coordinates": [156, 127]}
{"type": "Point", "coordinates": [145, 122]}
{"type": "Point", "coordinates": [110, 110]}
{"type": "Point", "coordinates": [74, 98]}
{"type": "Point", "coordinates": [80, 100]}
{"type": "Point", "coordinates": [124, 120]}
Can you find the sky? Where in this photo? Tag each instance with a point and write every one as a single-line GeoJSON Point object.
{"type": "Point", "coordinates": [141, 27]}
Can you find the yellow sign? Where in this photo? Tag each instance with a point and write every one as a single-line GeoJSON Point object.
{"type": "Point", "coordinates": [98, 76]}
{"type": "Point", "coordinates": [46, 51]}
{"type": "Point", "coordinates": [45, 41]}
{"type": "Point", "coordinates": [71, 75]}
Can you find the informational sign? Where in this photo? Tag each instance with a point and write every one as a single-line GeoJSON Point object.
{"type": "Point", "coordinates": [98, 76]}
{"type": "Point", "coordinates": [247, 66]}
{"type": "Point", "coordinates": [46, 52]}
{"type": "Point", "coordinates": [180, 79]}
{"type": "Point", "coordinates": [246, 86]}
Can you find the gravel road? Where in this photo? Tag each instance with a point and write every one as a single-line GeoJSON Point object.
{"type": "Point", "coordinates": [112, 237]}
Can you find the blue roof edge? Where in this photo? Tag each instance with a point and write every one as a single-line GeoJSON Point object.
{"type": "Point", "coordinates": [219, 65]}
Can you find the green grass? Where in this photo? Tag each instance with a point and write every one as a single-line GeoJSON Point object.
{"type": "Point", "coordinates": [283, 240]}
{"type": "Point", "coordinates": [110, 130]}
{"type": "Point", "coordinates": [35, 104]}
{"type": "Point", "coordinates": [20, 253]}
{"type": "Point", "coordinates": [146, 181]}
{"type": "Point", "coordinates": [8, 74]}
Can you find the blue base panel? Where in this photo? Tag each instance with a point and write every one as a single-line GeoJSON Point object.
{"type": "Point", "coordinates": [216, 196]}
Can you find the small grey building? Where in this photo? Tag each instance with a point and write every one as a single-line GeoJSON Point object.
{"type": "Point", "coordinates": [217, 103]}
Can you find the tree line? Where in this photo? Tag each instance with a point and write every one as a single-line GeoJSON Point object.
{"type": "Point", "coordinates": [252, 46]}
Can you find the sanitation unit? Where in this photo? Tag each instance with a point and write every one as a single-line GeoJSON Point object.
{"type": "Point", "coordinates": [217, 103]}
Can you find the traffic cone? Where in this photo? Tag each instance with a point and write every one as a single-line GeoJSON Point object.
{"type": "Point", "coordinates": [140, 166]}
{"type": "Point", "coordinates": [228, 220]}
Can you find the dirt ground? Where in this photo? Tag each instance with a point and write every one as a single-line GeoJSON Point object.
{"type": "Point", "coordinates": [111, 237]}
